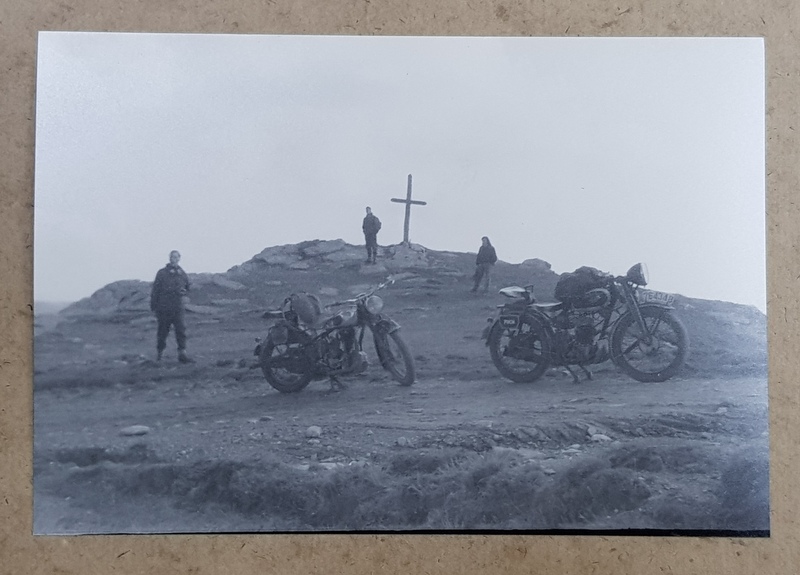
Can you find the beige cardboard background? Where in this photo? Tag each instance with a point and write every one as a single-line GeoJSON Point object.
{"type": "Point", "coordinates": [20, 552]}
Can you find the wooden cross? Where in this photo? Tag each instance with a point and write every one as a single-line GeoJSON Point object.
{"type": "Point", "coordinates": [408, 201]}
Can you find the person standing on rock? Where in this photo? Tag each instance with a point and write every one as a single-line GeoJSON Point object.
{"type": "Point", "coordinates": [371, 226]}
{"type": "Point", "coordinates": [166, 300]}
{"type": "Point", "coordinates": [483, 265]}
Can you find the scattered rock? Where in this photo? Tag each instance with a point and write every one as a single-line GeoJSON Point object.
{"type": "Point", "coordinates": [549, 471]}
{"type": "Point", "coordinates": [314, 441]}
{"type": "Point", "coordinates": [300, 266]}
{"type": "Point", "coordinates": [273, 283]}
{"type": "Point", "coordinates": [599, 437]}
{"type": "Point", "coordinates": [322, 247]}
{"type": "Point", "coordinates": [314, 431]}
{"type": "Point", "coordinates": [416, 410]}
{"type": "Point", "coordinates": [531, 453]}
{"type": "Point", "coordinates": [284, 255]}
{"type": "Point", "coordinates": [345, 257]}
{"type": "Point", "coordinates": [223, 282]}
{"type": "Point", "coordinates": [329, 291]}
{"type": "Point", "coordinates": [134, 430]}
{"type": "Point", "coordinates": [536, 265]}
{"type": "Point", "coordinates": [403, 276]}
{"type": "Point", "coordinates": [722, 410]}
{"type": "Point", "coordinates": [266, 418]}
{"type": "Point", "coordinates": [201, 309]}
{"type": "Point", "coordinates": [373, 269]}
{"type": "Point", "coordinates": [403, 442]}
{"type": "Point", "coordinates": [228, 301]}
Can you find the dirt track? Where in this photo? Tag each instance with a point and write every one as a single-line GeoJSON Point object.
{"type": "Point", "coordinates": [205, 412]}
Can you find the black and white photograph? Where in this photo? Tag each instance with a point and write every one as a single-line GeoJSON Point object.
{"type": "Point", "coordinates": [362, 284]}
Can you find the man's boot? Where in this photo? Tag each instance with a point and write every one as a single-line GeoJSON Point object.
{"type": "Point", "coordinates": [183, 358]}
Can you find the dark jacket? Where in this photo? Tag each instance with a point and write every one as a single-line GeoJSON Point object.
{"type": "Point", "coordinates": [371, 224]}
{"type": "Point", "coordinates": [170, 285]}
{"type": "Point", "coordinates": [486, 255]}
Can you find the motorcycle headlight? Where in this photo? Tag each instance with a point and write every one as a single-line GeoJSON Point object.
{"type": "Point", "coordinates": [374, 304]}
{"type": "Point", "coordinates": [638, 275]}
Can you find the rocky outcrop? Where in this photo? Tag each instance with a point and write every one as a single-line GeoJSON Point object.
{"type": "Point", "coordinates": [337, 253]}
{"type": "Point", "coordinates": [120, 296]}
{"type": "Point", "coordinates": [536, 265]}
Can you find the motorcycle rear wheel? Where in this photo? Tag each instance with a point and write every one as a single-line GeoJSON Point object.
{"type": "Point", "coordinates": [404, 372]}
{"type": "Point", "coordinates": [282, 379]}
{"type": "Point", "coordinates": [520, 370]}
{"type": "Point", "coordinates": [654, 362]}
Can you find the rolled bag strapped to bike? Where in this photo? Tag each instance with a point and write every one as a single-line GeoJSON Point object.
{"type": "Point", "coordinates": [572, 286]}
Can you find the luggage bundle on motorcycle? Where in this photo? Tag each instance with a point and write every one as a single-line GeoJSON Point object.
{"type": "Point", "coordinates": [572, 286]}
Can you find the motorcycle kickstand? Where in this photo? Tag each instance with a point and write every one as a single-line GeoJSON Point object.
{"type": "Point", "coordinates": [336, 385]}
{"type": "Point", "coordinates": [575, 378]}
{"type": "Point", "coordinates": [587, 372]}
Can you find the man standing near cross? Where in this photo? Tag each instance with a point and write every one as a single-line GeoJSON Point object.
{"type": "Point", "coordinates": [371, 226]}
{"type": "Point", "coordinates": [408, 201]}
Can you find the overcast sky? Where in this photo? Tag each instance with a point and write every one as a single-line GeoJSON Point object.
{"type": "Point", "coordinates": [578, 151]}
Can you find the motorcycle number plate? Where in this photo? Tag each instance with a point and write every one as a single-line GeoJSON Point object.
{"type": "Point", "coordinates": [510, 321]}
{"type": "Point", "coordinates": [656, 297]}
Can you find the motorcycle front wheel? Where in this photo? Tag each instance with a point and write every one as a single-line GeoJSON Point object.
{"type": "Point", "coordinates": [395, 357]}
{"type": "Point", "coordinates": [282, 378]}
{"type": "Point", "coordinates": [657, 360]}
{"type": "Point", "coordinates": [522, 355]}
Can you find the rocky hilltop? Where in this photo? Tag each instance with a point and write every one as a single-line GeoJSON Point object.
{"type": "Point", "coordinates": [332, 266]}
{"type": "Point", "coordinates": [724, 336]}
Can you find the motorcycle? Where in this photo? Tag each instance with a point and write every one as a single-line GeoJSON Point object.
{"type": "Point", "coordinates": [304, 345]}
{"type": "Point", "coordinates": [614, 319]}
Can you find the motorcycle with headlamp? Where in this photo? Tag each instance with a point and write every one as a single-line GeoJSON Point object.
{"type": "Point", "coordinates": [599, 317]}
{"type": "Point", "coordinates": [305, 344]}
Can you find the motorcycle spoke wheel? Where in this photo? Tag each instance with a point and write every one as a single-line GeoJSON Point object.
{"type": "Point", "coordinates": [396, 358]}
{"type": "Point", "coordinates": [520, 355]}
{"type": "Point", "coordinates": [654, 355]}
{"type": "Point", "coordinates": [283, 379]}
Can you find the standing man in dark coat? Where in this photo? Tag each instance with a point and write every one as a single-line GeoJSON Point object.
{"type": "Point", "coordinates": [483, 264]}
{"type": "Point", "coordinates": [166, 300]}
{"type": "Point", "coordinates": [371, 226]}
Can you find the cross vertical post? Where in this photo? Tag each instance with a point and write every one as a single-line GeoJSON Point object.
{"type": "Point", "coordinates": [408, 201]}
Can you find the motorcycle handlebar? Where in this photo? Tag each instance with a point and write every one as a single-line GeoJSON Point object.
{"type": "Point", "coordinates": [361, 295]}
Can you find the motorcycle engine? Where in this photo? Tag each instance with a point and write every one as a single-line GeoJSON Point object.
{"type": "Point", "coordinates": [575, 342]}
{"type": "Point", "coordinates": [340, 353]}
{"type": "Point", "coordinates": [332, 350]}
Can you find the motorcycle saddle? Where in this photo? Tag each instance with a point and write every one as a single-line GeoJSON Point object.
{"type": "Point", "coordinates": [549, 308]}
